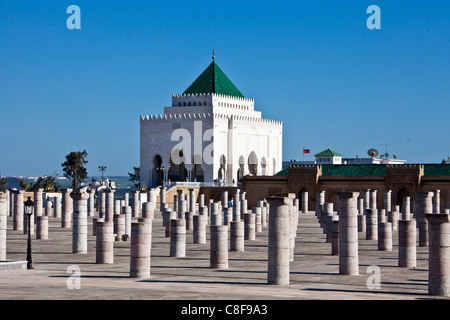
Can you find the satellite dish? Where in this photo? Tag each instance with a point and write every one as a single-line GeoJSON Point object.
{"type": "Point", "coordinates": [381, 156]}
{"type": "Point", "coordinates": [395, 157]}
{"type": "Point", "coordinates": [386, 155]}
{"type": "Point", "coordinates": [372, 152]}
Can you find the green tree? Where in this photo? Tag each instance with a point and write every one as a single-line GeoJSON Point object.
{"type": "Point", "coordinates": [3, 184]}
{"type": "Point", "coordinates": [135, 177]}
{"type": "Point", "coordinates": [23, 184]}
{"type": "Point", "coordinates": [49, 184]}
{"type": "Point", "coordinates": [74, 167]}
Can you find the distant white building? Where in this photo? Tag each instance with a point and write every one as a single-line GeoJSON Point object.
{"type": "Point", "coordinates": [329, 156]}
{"type": "Point", "coordinates": [372, 161]}
{"type": "Point", "coordinates": [211, 132]}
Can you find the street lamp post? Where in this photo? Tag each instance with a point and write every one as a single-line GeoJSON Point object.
{"type": "Point", "coordinates": [29, 207]}
{"type": "Point", "coordinates": [102, 168]}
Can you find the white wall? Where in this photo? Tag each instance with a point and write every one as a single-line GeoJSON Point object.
{"type": "Point", "coordinates": [249, 133]}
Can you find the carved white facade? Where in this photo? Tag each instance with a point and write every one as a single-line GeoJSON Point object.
{"type": "Point", "coordinates": [204, 137]}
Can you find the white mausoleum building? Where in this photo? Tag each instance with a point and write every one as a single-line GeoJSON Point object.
{"type": "Point", "coordinates": [210, 132]}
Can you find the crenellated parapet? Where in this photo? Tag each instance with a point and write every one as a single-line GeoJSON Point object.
{"type": "Point", "coordinates": [177, 116]}
{"type": "Point", "coordinates": [304, 176]}
{"type": "Point", "coordinates": [233, 98]}
{"type": "Point", "coordinates": [212, 99]}
{"type": "Point", "coordinates": [188, 95]}
{"type": "Point", "coordinates": [192, 100]}
{"type": "Point", "coordinates": [411, 173]}
{"type": "Point", "coordinates": [216, 95]}
{"type": "Point", "coordinates": [306, 169]}
{"type": "Point", "coordinates": [249, 119]}
{"type": "Point", "coordinates": [202, 116]}
{"type": "Point", "coordinates": [305, 166]}
{"type": "Point", "coordinates": [405, 168]}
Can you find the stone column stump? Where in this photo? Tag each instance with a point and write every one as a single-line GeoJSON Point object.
{"type": "Point", "coordinates": [237, 236]}
{"type": "Point", "coordinates": [438, 254]}
{"type": "Point", "coordinates": [140, 251]}
{"type": "Point", "coordinates": [219, 247]}
{"type": "Point", "coordinates": [104, 249]}
{"type": "Point", "coordinates": [199, 229]}
{"type": "Point", "coordinates": [178, 238]}
{"type": "Point", "coordinates": [80, 225]}
{"type": "Point", "coordinates": [371, 224]}
{"type": "Point", "coordinates": [348, 233]}
{"type": "Point", "coordinates": [278, 251]}
{"type": "Point", "coordinates": [407, 243]}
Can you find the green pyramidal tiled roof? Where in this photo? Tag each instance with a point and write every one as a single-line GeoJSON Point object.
{"type": "Point", "coordinates": [213, 80]}
{"type": "Point", "coordinates": [328, 153]}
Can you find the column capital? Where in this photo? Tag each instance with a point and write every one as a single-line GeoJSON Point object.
{"type": "Point", "coordinates": [81, 194]}
{"type": "Point", "coordinates": [421, 195]}
{"type": "Point", "coordinates": [347, 195]}
{"type": "Point", "coordinates": [278, 200]}
{"type": "Point", "coordinates": [438, 217]}
{"type": "Point", "coordinates": [286, 195]}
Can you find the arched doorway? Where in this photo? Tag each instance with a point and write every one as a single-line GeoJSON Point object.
{"type": "Point", "coordinates": [198, 175]}
{"type": "Point", "coordinates": [253, 163]}
{"type": "Point", "coordinates": [300, 197]}
{"type": "Point", "coordinates": [177, 170]}
{"type": "Point", "coordinates": [399, 198]}
{"type": "Point", "coordinates": [263, 166]}
{"type": "Point", "coordinates": [157, 172]}
{"type": "Point", "coordinates": [221, 173]}
{"type": "Point", "coordinates": [222, 165]}
{"type": "Point", "coordinates": [241, 170]}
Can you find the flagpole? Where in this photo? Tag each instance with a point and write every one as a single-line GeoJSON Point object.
{"type": "Point", "coordinates": [303, 154]}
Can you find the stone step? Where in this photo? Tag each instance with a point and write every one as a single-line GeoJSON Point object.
{"type": "Point", "coordinates": [13, 265]}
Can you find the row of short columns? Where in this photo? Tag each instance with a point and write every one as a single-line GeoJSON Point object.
{"type": "Point", "coordinates": [244, 225]}
{"type": "Point", "coordinates": [61, 207]}
{"type": "Point", "coordinates": [434, 231]}
{"type": "Point", "coordinates": [229, 227]}
{"type": "Point", "coordinates": [241, 226]}
{"type": "Point", "coordinates": [427, 220]}
{"type": "Point", "coordinates": [76, 206]}
{"type": "Point", "coordinates": [115, 224]}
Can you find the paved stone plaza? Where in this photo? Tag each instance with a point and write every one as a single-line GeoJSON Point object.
{"type": "Point", "coordinates": [314, 273]}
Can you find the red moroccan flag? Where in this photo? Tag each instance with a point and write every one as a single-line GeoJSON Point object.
{"type": "Point", "coordinates": [306, 150]}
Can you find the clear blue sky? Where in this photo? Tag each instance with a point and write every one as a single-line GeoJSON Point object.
{"type": "Point", "coordinates": [312, 64]}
